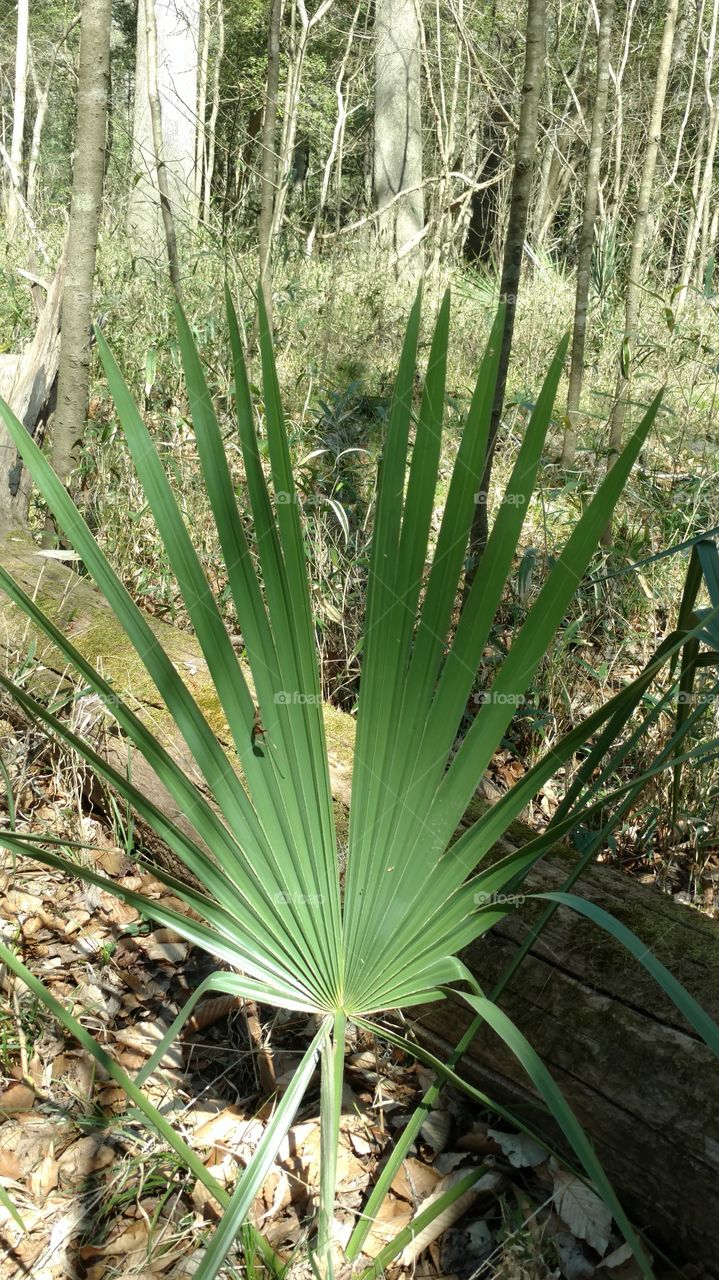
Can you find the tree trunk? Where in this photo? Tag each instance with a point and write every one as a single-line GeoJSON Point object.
{"type": "Point", "coordinates": [398, 193]}
{"type": "Point", "coordinates": [645, 1088]}
{"type": "Point", "coordinates": [27, 384]}
{"type": "Point", "coordinates": [634, 283]}
{"type": "Point", "coordinates": [85, 210]}
{"type": "Point", "coordinates": [513, 250]}
{"type": "Point", "coordinates": [586, 238]}
{"type": "Point", "coordinates": [214, 110]}
{"type": "Point", "coordinates": [158, 143]}
{"type": "Point", "coordinates": [269, 156]}
{"type": "Point", "coordinates": [176, 72]}
{"type": "Point", "coordinates": [18, 116]}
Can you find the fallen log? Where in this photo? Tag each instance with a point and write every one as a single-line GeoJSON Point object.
{"type": "Point", "coordinates": [643, 1085]}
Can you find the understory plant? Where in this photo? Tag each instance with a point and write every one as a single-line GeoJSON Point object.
{"type": "Point", "coordinates": [264, 887]}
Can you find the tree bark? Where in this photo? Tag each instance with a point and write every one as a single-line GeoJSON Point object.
{"type": "Point", "coordinates": [175, 69]}
{"type": "Point", "coordinates": [513, 251]}
{"type": "Point", "coordinates": [269, 156]}
{"type": "Point", "coordinates": [634, 283]}
{"type": "Point", "coordinates": [645, 1088]}
{"type": "Point", "coordinates": [214, 110]}
{"type": "Point", "coordinates": [158, 143]}
{"type": "Point", "coordinates": [18, 116]}
{"type": "Point", "coordinates": [85, 210]}
{"type": "Point", "coordinates": [27, 386]}
{"type": "Point", "coordinates": [586, 238]}
{"type": "Point", "coordinates": [398, 132]}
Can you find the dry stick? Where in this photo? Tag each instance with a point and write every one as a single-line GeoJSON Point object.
{"type": "Point", "coordinates": [513, 252]}
{"type": "Point", "coordinates": [616, 423]}
{"type": "Point", "coordinates": [153, 95]}
{"type": "Point", "coordinates": [586, 239]}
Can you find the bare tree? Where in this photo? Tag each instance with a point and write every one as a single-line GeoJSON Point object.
{"type": "Point", "coordinates": [214, 109]}
{"type": "Point", "coordinates": [42, 100]}
{"type": "Point", "coordinates": [18, 117]}
{"type": "Point", "coordinates": [269, 155]}
{"type": "Point", "coordinates": [586, 238]}
{"type": "Point", "coordinates": [526, 147]}
{"type": "Point", "coordinates": [158, 142]}
{"type": "Point", "coordinates": [85, 209]}
{"type": "Point", "coordinates": [398, 192]}
{"type": "Point", "coordinates": [644, 196]}
{"type": "Point", "coordinates": [174, 73]}
{"type": "Point", "coordinates": [704, 168]}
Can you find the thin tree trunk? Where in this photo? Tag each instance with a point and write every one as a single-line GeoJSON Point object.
{"type": "Point", "coordinates": [292, 103]}
{"type": "Point", "coordinates": [269, 156]}
{"type": "Point", "coordinates": [214, 110]}
{"type": "Point", "coordinates": [42, 97]}
{"type": "Point", "coordinates": [702, 192]}
{"type": "Point", "coordinates": [513, 250]}
{"type": "Point", "coordinates": [336, 136]}
{"type": "Point", "coordinates": [634, 283]}
{"type": "Point", "coordinates": [618, 78]}
{"type": "Point", "coordinates": [18, 115]}
{"type": "Point", "coordinates": [398, 130]}
{"type": "Point", "coordinates": [87, 183]}
{"type": "Point", "coordinates": [174, 73]}
{"type": "Point", "coordinates": [586, 239]}
{"type": "Point", "coordinates": [201, 134]}
{"type": "Point", "coordinates": [158, 144]}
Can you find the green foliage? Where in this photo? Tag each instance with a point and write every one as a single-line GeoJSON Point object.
{"type": "Point", "coordinates": [267, 895]}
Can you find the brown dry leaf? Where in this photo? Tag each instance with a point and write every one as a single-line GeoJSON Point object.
{"type": "Point", "coordinates": [164, 945]}
{"type": "Point", "coordinates": [131, 1238]}
{"type": "Point", "coordinates": [9, 1165]}
{"type": "Point", "coordinates": [19, 1097]}
{"type": "Point", "coordinates": [393, 1216]}
{"type": "Point", "coordinates": [144, 1038]}
{"type": "Point", "coordinates": [414, 1180]}
{"type": "Point", "coordinates": [44, 1179]}
{"type": "Point", "coordinates": [486, 1182]}
{"type": "Point", "coordinates": [229, 1128]}
{"type": "Point", "coordinates": [84, 1158]}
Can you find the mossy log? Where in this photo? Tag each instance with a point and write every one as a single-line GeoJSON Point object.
{"type": "Point", "coordinates": [643, 1085]}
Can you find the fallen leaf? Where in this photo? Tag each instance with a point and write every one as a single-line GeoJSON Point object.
{"type": "Point", "coordinates": [521, 1151]}
{"type": "Point", "coordinates": [44, 1179]}
{"type": "Point", "coordinates": [84, 1158]}
{"type": "Point", "coordinates": [19, 1097]}
{"type": "Point", "coordinates": [582, 1210]}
